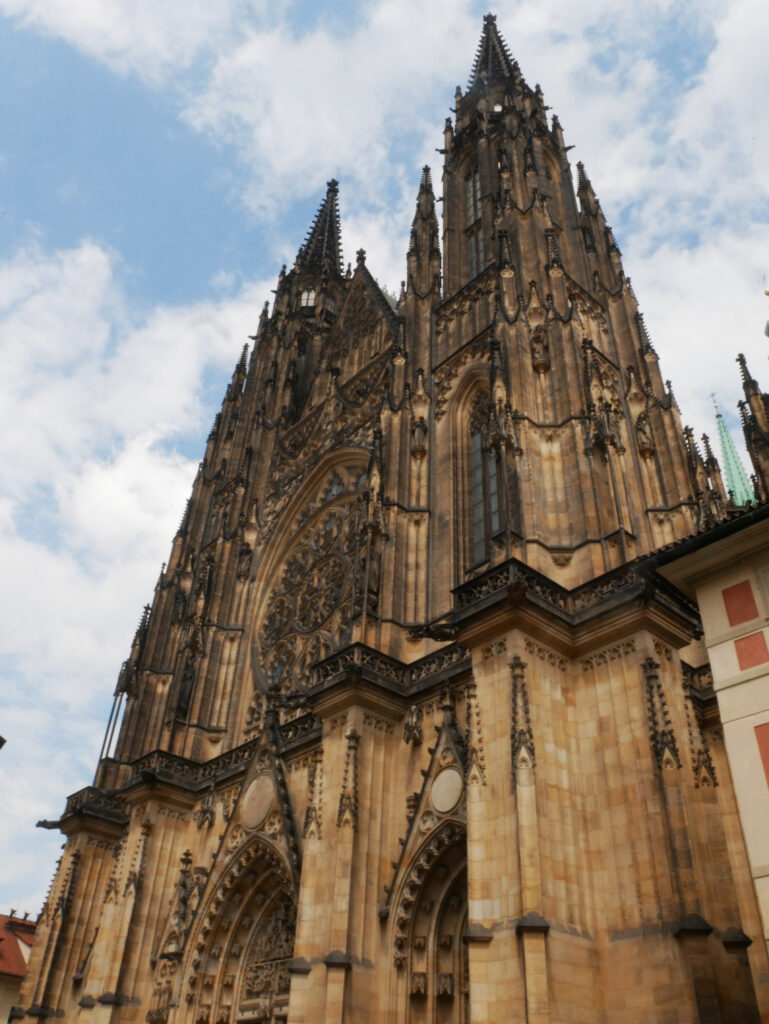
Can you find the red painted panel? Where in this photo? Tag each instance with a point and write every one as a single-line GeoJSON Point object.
{"type": "Point", "coordinates": [762, 736]}
{"type": "Point", "coordinates": [751, 650]}
{"type": "Point", "coordinates": [740, 603]}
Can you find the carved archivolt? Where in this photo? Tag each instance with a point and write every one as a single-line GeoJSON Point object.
{"type": "Point", "coordinates": [430, 922]}
{"type": "Point", "coordinates": [236, 960]}
{"type": "Point", "coordinates": [451, 834]}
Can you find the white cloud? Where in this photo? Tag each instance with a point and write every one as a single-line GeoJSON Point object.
{"type": "Point", "coordinates": [143, 37]}
{"type": "Point", "coordinates": [91, 492]}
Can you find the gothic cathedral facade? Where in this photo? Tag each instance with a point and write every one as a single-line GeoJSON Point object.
{"type": "Point", "coordinates": [413, 730]}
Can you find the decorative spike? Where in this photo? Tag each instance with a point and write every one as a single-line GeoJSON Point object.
{"type": "Point", "coordinates": [323, 245]}
{"type": "Point", "coordinates": [709, 457]}
{"type": "Point", "coordinates": [553, 249]}
{"type": "Point", "coordinates": [493, 59]}
{"type": "Point", "coordinates": [611, 243]}
{"type": "Point", "coordinates": [749, 384]}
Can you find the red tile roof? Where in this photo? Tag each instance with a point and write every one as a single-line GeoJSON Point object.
{"type": "Point", "coordinates": [15, 933]}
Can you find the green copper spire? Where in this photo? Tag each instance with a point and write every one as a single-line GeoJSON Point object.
{"type": "Point", "coordinates": [736, 478]}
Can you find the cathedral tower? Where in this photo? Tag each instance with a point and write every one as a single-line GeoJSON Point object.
{"type": "Point", "coordinates": [412, 730]}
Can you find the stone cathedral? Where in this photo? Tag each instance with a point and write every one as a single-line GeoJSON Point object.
{"type": "Point", "coordinates": [413, 730]}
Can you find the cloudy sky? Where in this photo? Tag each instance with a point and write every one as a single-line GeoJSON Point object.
{"type": "Point", "coordinates": [159, 161]}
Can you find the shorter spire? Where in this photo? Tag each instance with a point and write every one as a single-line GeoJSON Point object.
{"type": "Point", "coordinates": [493, 59]}
{"type": "Point", "coordinates": [323, 245]}
{"type": "Point", "coordinates": [749, 384]}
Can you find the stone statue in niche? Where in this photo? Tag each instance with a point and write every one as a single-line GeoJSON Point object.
{"type": "Point", "coordinates": [644, 436]}
{"type": "Point", "coordinates": [540, 350]}
{"type": "Point", "coordinates": [419, 438]}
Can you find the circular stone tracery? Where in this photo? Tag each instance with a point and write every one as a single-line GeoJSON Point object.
{"type": "Point", "coordinates": [318, 588]}
{"type": "Point", "coordinates": [320, 592]}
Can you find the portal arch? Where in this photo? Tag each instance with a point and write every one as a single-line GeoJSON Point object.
{"type": "Point", "coordinates": [236, 962]}
{"type": "Point", "coordinates": [429, 928]}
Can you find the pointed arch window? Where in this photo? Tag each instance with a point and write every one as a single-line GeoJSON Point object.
{"type": "Point", "coordinates": [307, 300]}
{"type": "Point", "coordinates": [473, 223]}
{"type": "Point", "coordinates": [486, 513]}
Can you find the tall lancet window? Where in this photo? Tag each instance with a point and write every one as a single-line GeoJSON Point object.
{"type": "Point", "coordinates": [484, 465]}
{"type": "Point", "coordinates": [473, 225]}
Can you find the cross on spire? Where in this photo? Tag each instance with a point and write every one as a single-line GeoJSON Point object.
{"type": "Point", "coordinates": [323, 245]}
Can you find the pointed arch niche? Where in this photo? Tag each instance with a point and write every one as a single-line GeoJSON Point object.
{"type": "Point", "coordinates": [429, 925]}
{"type": "Point", "coordinates": [482, 484]}
{"type": "Point", "coordinates": [237, 960]}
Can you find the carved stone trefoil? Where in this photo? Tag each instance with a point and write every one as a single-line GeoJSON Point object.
{"type": "Point", "coordinates": [347, 815]}
{"type": "Point", "coordinates": [661, 735]}
{"type": "Point", "coordinates": [521, 735]}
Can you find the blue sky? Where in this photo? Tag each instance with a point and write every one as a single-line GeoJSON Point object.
{"type": "Point", "coordinates": [158, 163]}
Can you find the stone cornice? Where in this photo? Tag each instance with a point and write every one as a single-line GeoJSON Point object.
{"type": "Point", "coordinates": [573, 620]}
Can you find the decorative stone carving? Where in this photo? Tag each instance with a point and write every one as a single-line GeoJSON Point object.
{"type": "Point", "coordinates": [446, 790]}
{"type": "Point", "coordinates": [702, 763]}
{"type": "Point", "coordinates": [445, 987]}
{"type": "Point", "coordinates": [265, 981]}
{"type": "Point", "coordinates": [418, 984]}
{"type": "Point", "coordinates": [258, 800]}
{"type": "Point", "coordinates": [319, 590]}
{"type": "Point", "coordinates": [312, 815]}
{"type": "Point", "coordinates": [348, 799]}
{"type": "Point", "coordinates": [476, 760]}
{"type": "Point", "coordinates": [412, 727]}
{"type": "Point", "coordinates": [521, 735]}
{"type": "Point", "coordinates": [540, 350]}
{"type": "Point", "coordinates": [663, 741]}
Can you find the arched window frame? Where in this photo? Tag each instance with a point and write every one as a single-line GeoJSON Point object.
{"type": "Point", "coordinates": [485, 490]}
{"type": "Point", "coordinates": [473, 222]}
{"type": "Point", "coordinates": [307, 298]}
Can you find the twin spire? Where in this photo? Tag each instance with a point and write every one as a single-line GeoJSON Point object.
{"type": "Point", "coordinates": [323, 246]}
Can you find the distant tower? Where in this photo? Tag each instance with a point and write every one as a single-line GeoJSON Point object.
{"type": "Point", "coordinates": [406, 734]}
{"type": "Point", "coordinates": [736, 478]}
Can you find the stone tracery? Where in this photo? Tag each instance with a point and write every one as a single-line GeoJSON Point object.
{"type": "Point", "coordinates": [319, 586]}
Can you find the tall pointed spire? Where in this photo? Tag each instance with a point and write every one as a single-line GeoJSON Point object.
{"type": "Point", "coordinates": [493, 57]}
{"type": "Point", "coordinates": [323, 245]}
{"type": "Point", "coordinates": [736, 477]}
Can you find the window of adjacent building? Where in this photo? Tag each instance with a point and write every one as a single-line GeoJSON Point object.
{"type": "Point", "coordinates": [473, 225]}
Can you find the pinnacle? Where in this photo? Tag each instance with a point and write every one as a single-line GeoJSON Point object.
{"type": "Point", "coordinates": [583, 181]}
{"type": "Point", "coordinates": [493, 59]}
{"type": "Point", "coordinates": [425, 198]}
{"type": "Point", "coordinates": [323, 245]}
{"type": "Point", "coordinates": [749, 384]}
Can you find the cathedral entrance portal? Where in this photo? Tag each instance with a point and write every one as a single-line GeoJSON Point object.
{"type": "Point", "coordinates": [438, 981]}
{"type": "Point", "coordinates": [238, 971]}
